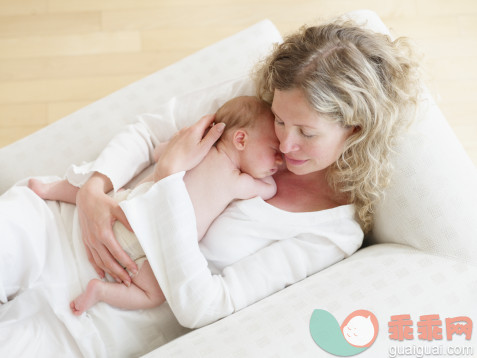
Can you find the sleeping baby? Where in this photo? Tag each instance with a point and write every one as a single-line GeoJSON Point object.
{"type": "Point", "coordinates": [240, 166]}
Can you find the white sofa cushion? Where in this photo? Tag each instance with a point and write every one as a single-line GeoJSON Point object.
{"type": "Point", "coordinates": [432, 202]}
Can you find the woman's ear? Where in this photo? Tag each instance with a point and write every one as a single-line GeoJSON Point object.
{"type": "Point", "coordinates": [239, 139]}
{"type": "Point", "coordinates": [353, 130]}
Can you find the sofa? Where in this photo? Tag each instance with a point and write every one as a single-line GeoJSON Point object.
{"type": "Point", "coordinates": [416, 272]}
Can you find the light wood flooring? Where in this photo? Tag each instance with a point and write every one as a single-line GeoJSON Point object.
{"type": "Point", "coordinates": [59, 55]}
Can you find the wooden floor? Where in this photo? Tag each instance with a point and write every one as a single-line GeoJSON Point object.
{"type": "Point", "coordinates": [59, 55]}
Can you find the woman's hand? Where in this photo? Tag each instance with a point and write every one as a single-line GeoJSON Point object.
{"type": "Point", "coordinates": [188, 147]}
{"type": "Point", "coordinates": [97, 212]}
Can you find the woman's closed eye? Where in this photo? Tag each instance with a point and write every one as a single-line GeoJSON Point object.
{"type": "Point", "coordinates": [307, 134]}
{"type": "Point", "coordinates": [303, 132]}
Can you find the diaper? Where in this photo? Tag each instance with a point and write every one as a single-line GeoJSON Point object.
{"type": "Point", "coordinates": [126, 238]}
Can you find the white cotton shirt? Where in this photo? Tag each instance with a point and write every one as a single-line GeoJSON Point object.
{"type": "Point", "coordinates": [246, 226]}
{"type": "Point", "coordinates": [164, 222]}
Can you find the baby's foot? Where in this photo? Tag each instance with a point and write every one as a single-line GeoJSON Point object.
{"type": "Point", "coordinates": [88, 298]}
{"type": "Point", "coordinates": [41, 189]}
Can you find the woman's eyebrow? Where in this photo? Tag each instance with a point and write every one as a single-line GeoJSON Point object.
{"type": "Point", "coordinates": [297, 125]}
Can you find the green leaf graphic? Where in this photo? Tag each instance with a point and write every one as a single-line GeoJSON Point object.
{"type": "Point", "coordinates": [326, 332]}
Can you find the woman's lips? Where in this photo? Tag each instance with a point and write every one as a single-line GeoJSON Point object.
{"type": "Point", "coordinates": [295, 161]}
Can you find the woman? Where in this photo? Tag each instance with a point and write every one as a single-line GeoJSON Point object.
{"type": "Point", "coordinates": [340, 96]}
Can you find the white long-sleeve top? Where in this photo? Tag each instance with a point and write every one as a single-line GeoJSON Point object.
{"type": "Point", "coordinates": [164, 221]}
{"type": "Point", "coordinates": [247, 226]}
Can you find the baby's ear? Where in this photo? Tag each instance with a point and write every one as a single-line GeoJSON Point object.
{"type": "Point", "coordinates": [240, 138]}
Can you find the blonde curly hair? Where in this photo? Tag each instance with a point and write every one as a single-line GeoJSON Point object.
{"type": "Point", "coordinates": [357, 78]}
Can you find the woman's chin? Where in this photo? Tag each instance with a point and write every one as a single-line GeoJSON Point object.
{"type": "Point", "coordinates": [304, 169]}
{"type": "Point", "coordinates": [297, 170]}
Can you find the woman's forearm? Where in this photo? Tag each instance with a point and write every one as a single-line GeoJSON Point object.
{"type": "Point", "coordinates": [164, 222]}
{"type": "Point", "coordinates": [96, 213]}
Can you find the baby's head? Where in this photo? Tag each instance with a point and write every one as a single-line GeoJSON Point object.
{"type": "Point", "coordinates": [250, 129]}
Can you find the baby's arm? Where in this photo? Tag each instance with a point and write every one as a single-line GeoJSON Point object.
{"type": "Point", "coordinates": [60, 190]}
{"type": "Point", "coordinates": [266, 188]}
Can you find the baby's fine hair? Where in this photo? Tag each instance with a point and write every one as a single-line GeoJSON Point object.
{"type": "Point", "coordinates": [359, 79]}
{"type": "Point", "coordinates": [242, 112]}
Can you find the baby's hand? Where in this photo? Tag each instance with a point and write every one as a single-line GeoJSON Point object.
{"type": "Point", "coordinates": [270, 189]}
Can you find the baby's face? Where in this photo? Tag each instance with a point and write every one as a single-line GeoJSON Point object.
{"type": "Point", "coordinates": [262, 156]}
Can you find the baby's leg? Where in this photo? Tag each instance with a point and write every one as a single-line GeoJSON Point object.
{"type": "Point", "coordinates": [144, 292]}
{"type": "Point", "coordinates": [58, 190]}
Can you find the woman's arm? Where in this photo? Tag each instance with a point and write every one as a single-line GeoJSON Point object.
{"type": "Point", "coordinates": [164, 221]}
{"type": "Point", "coordinates": [127, 154]}
{"type": "Point", "coordinates": [158, 151]}
{"type": "Point", "coordinates": [96, 213]}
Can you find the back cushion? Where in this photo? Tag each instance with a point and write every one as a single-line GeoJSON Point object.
{"type": "Point", "coordinates": [431, 203]}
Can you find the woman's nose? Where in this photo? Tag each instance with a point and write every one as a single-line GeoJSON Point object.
{"type": "Point", "coordinates": [287, 143]}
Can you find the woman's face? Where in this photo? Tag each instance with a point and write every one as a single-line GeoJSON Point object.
{"type": "Point", "coordinates": [308, 140]}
